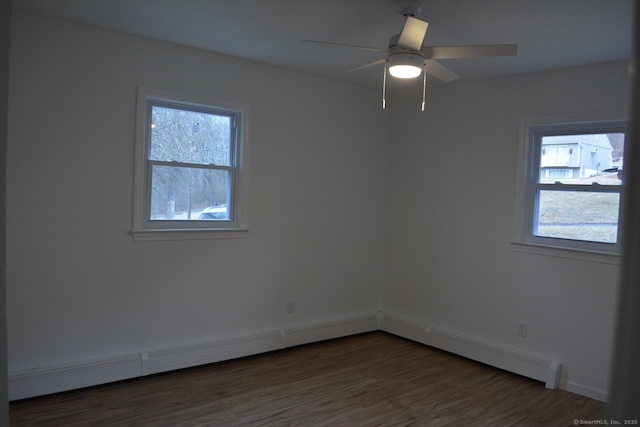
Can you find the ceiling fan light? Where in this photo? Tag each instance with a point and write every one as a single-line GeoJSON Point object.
{"type": "Point", "coordinates": [405, 71]}
{"type": "Point", "coordinates": [405, 65]}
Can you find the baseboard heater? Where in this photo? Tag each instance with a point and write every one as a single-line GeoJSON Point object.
{"type": "Point", "coordinates": [511, 360]}
{"type": "Point", "coordinates": [518, 362]}
{"type": "Point", "coordinates": [41, 381]}
{"type": "Point", "coordinates": [55, 379]}
{"type": "Point", "coordinates": [48, 380]}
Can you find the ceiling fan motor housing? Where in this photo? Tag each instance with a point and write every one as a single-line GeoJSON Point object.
{"type": "Point", "coordinates": [403, 58]}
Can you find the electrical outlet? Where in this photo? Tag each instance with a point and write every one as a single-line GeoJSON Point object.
{"type": "Point", "coordinates": [290, 307]}
{"type": "Point", "coordinates": [522, 329]}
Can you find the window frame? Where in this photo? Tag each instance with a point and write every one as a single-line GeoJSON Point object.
{"type": "Point", "coordinates": [532, 129]}
{"type": "Point", "coordinates": [146, 229]}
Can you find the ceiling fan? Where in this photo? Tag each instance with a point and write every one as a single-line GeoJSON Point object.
{"type": "Point", "coordinates": [407, 58]}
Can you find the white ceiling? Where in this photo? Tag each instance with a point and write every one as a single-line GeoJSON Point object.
{"type": "Point", "coordinates": [549, 33]}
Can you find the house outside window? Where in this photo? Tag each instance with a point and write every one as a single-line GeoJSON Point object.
{"type": "Point", "coordinates": [570, 184]}
{"type": "Point", "coordinates": [191, 162]}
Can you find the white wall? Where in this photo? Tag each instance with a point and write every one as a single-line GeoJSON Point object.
{"type": "Point", "coordinates": [79, 288]}
{"type": "Point", "coordinates": [453, 173]}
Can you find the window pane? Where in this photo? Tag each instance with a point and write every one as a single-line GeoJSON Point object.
{"type": "Point", "coordinates": [578, 215]}
{"type": "Point", "coordinates": [180, 193]}
{"type": "Point", "coordinates": [187, 136]}
{"type": "Point", "coordinates": [582, 159]}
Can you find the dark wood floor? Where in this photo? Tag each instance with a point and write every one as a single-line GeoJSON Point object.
{"type": "Point", "coordinates": [373, 379]}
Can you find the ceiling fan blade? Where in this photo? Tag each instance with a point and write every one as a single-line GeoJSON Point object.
{"type": "Point", "coordinates": [370, 64]}
{"type": "Point", "coordinates": [413, 33]}
{"type": "Point", "coordinates": [450, 52]}
{"type": "Point", "coordinates": [439, 71]}
{"type": "Point", "coordinates": [376, 49]}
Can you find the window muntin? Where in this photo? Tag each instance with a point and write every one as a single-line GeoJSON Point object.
{"type": "Point", "coordinates": [191, 167]}
{"type": "Point", "coordinates": [573, 195]}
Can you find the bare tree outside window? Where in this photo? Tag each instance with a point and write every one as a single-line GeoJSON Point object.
{"type": "Point", "coordinates": [191, 157]}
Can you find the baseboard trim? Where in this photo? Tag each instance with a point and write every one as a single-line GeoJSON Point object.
{"type": "Point", "coordinates": [585, 391]}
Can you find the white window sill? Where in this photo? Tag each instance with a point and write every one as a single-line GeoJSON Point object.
{"type": "Point", "coordinates": [193, 234]}
{"type": "Point", "coordinates": [577, 254]}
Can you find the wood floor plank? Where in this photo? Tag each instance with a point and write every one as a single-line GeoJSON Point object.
{"type": "Point", "coordinates": [368, 380]}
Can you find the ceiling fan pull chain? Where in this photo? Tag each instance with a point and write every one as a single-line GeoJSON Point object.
{"type": "Point", "coordinates": [424, 86]}
{"type": "Point", "coordinates": [384, 87]}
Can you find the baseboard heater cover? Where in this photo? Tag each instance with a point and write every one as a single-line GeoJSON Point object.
{"type": "Point", "coordinates": [328, 330]}
{"type": "Point", "coordinates": [41, 381]}
{"type": "Point", "coordinates": [516, 361]}
{"type": "Point", "coordinates": [187, 356]}
{"type": "Point", "coordinates": [404, 328]}
{"type": "Point", "coordinates": [512, 360]}
{"type": "Point", "coordinates": [47, 380]}
{"type": "Point", "coordinates": [71, 376]}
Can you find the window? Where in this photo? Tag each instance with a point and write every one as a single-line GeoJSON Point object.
{"type": "Point", "coordinates": [571, 181]}
{"type": "Point", "coordinates": [555, 155]}
{"type": "Point", "coordinates": [557, 173]}
{"type": "Point", "coordinates": [191, 156]}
